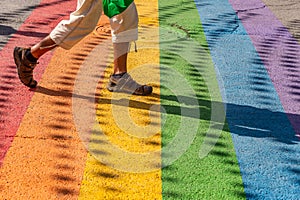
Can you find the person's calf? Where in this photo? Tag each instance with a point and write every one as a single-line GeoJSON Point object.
{"type": "Point", "coordinates": [120, 57]}
{"type": "Point", "coordinates": [42, 47]}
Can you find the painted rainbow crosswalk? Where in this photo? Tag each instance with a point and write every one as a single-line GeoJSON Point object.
{"type": "Point", "coordinates": [222, 123]}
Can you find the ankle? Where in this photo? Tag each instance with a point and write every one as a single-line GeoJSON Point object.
{"type": "Point", "coordinates": [118, 75]}
{"type": "Point", "coordinates": [30, 57]}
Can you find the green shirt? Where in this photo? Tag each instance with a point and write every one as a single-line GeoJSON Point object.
{"type": "Point", "coordinates": [115, 7]}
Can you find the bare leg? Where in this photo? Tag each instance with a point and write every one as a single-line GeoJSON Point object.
{"type": "Point", "coordinates": [43, 47]}
{"type": "Point", "coordinates": [120, 57]}
{"type": "Point", "coordinates": [120, 53]}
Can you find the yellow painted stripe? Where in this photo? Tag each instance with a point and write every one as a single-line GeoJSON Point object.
{"type": "Point", "coordinates": [130, 125]}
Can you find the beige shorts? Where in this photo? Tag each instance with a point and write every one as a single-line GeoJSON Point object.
{"type": "Point", "coordinates": [124, 27]}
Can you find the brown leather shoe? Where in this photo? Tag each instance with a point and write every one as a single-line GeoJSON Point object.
{"type": "Point", "coordinates": [24, 67]}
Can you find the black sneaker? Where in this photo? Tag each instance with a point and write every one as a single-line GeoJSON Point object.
{"type": "Point", "coordinates": [24, 67]}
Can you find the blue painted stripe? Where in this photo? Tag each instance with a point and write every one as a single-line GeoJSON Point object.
{"type": "Point", "coordinates": [265, 142]}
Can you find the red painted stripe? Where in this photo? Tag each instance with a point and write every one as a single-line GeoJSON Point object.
{"type": "Point", "coordinates": [14, 97]}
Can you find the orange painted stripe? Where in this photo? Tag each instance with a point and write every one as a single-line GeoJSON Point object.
{"type": "Point", "coordinates": [47, 158]}
{"type": "Point", "coordinates": [14, 97]}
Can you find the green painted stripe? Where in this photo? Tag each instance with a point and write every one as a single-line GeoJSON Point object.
{"type": "Point", "coordinates": [216, 176]}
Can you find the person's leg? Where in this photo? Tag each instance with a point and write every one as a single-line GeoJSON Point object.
{"type": "Point", "coordinates": [124, 30]}
{"type": "Point", "coordinates": [66, 34]}
{"type": "Point", "coordinates": [120, 57]}
{"type": "Point", "coordinates": [42, 47]}
{"type": "Point", "coordinates": [120, 80]}
{"type": "Point", "coordinates": [26, 60]}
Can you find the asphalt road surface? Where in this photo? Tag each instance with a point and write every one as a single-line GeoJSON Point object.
{"type": "Point", "coordinates": [12, 15]}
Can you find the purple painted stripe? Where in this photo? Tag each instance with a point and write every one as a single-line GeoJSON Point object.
{"type": "Point", "coordinates": [279, 51]}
